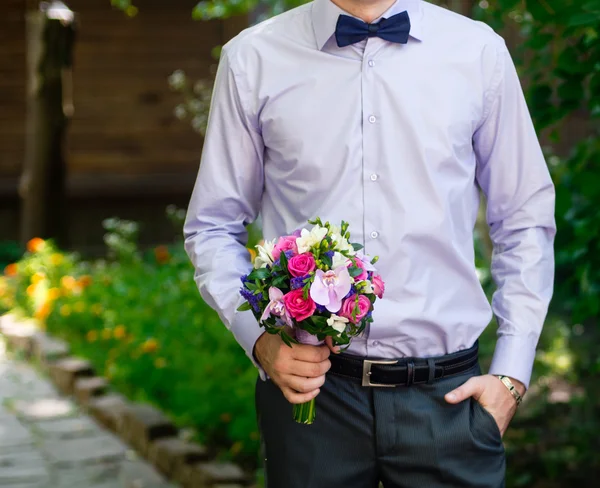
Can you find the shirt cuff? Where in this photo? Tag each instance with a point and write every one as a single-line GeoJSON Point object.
{"type": "Point", "coordinates": [514, 357]}
{"type": "Point", "coordinates": [246, 330]}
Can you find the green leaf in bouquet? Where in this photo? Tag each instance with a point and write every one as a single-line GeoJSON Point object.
{"type": "Point", "coordinates": [251, 286]}
{"type": "Point", "coordinates": [327, 261]}
{"type": "Point", "coordinates": [305, 292]}
{"type": "Point", "coordinates": [244, 306]}
{"type": "Point", "coordinates": [319, 321]}
{"type": "Point", "coordinates": [355, 271]}
{"type": "Point", "coordinates": [371, 298]}
{"type": "Point", "coordinates": [356, 246]}
{"type": "Point", "coordinates": [287, 339]}
{"type": "Point", "coordinates": [283, 260]}
{"type": "Point", "coordinates": [280, 281]}
{"type": "Point", "coordinates": [259, 274]}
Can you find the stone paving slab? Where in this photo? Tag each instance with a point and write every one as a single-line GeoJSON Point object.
{"type": "Point", "coordinates": [23, 466]}
{"type": "Point", "coordinates": [47, 442]}
{"type": "Point", "coordinates": [69, 452]}
{"type": "Point", "coordinates": [101, 473]}
{"type": "Point", "coordinates": [67, 428]}
{"type": "Point", "coordinates": [13, 436]}
{"type": "Point", "coordinates": [44, 409]}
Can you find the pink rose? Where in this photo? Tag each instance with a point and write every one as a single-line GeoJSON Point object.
{"type": "Point", "coordinates": [297, 306]}
{"type": "Point", "coordinates": [285, 243]}
{"type": "Point", "coordinates": [301, 264]}
{"type": "Point", "coordinates": [359, 264]}
{"type": "Point", "coordinates": [378, 285]}
{"type": "Point", "coordinates": [364, 305]}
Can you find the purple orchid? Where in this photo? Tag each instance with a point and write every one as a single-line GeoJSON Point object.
{"type": "Point", "coordinates": [276, 307]}
{"type": "Point", "coordinates": [366, 261]}
{"type": "Point", "coordinates": [330, 287]}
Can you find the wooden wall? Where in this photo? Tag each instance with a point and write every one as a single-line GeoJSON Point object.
{"type": "Point", "coordinates": [12, 86]}
{"type": "Point", "coordinates": [124, 122]}
{"type": "Point", "coordinates": [127, 153]}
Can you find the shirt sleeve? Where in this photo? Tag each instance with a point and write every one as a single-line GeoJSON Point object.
{"type": "Point", "coordinates": [512, 172]}
{"type": "Point", "coordinates": [226, 197]}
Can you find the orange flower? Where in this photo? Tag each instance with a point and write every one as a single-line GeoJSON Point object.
{"type": "Point", "coordinates": [252, 254]}
{"type": "Point", "coordinates": [31, 290]}
{"type": "Point", "coordinates": [11, 270]}
{"type": "Point", "coordinates": [37, 277]}
{"type": "Point", "coordinates": [56, 259]}
{"type": "Point", "coordinates": [43, 312]}
{"type": "Point", "coordinates": [91, 336]}
{"type": "Point", "coordinates": [119, 332]}
{"type": "Point", "coordinates": [162, 254]}
{"type": "Point", "coordinates": [68, 282]}
{"type": "Point", "coordinates": [236, 447]}
{"type": "Point", "coordinates": [85, 281]}
{"type": "Point", "coordinates": [53, 293]}
{"type": "Point", "coordinates": [150, 346]}
{"type": "Point", "coordinates": [36, 244]}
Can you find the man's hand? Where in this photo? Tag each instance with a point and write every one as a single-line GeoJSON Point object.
{"type": "Point", "coordinates": [299, 371]}
{"type": "Point", "coordinates": [493, 396]}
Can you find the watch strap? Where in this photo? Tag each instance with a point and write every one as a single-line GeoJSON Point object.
{"type": "Point", "coordinates": [511, 387]}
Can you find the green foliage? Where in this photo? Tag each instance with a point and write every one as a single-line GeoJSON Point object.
{"type": "Point", "coordinates": [10, 251]}
{"type": "Point", "coordinates": [560, 61]}
{"type": "Point", "coordinates": [139, 318]}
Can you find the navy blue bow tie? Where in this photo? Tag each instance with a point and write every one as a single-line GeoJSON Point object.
{"type": "Point", "coordinates": [394, 29]}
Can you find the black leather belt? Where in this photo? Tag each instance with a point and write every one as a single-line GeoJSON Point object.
{"type": "Point", "coordinates": [404, 371]}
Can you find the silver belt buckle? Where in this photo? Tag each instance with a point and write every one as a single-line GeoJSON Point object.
{"type": "Point", "coordinates": [366, 376]}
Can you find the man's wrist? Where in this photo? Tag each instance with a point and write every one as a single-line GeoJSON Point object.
{"type": "Point", "coordinates": [254, 348]}
{"type": "Point", "coordinates": [514, 387]}
{"type": "Point", "coordinates": [520, 387]}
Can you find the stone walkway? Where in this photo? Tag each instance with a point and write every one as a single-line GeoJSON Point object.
{"type": "Point", "coordinates": [46, 442]}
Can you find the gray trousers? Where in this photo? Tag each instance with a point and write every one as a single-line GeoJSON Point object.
{"type": "Point", "coordinates": [404, 437]}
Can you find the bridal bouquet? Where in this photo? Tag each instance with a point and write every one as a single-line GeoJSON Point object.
{"type": "Point", "coordinates": [316, 284]}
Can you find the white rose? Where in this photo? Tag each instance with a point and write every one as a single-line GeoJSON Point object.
{"type": "Point", "coordinates": [338, 260]}
{"type": "Point", "coordinates": [310, 238]}
{"type": "Point", "coordinates": [264, 256]}
{"type": "Point", "coordinates": [337, 322]}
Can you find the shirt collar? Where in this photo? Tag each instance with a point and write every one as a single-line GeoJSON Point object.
{"type": "Point", "coordinates": [325, 15]}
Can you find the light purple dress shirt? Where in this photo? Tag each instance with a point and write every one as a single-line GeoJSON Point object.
{"type": "Point", "coordinates": [396, 139]}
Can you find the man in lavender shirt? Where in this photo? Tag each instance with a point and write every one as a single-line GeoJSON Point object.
{"type": "Point", "coordinates": [391, 115]}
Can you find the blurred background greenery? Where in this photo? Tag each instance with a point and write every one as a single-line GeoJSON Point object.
{"type": "Point", "coordinates": [135, 312]}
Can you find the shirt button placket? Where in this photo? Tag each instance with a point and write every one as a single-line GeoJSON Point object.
{"type": "Point", "coordinates": [372, 133]}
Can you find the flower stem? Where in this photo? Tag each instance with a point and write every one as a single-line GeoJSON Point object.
{"type": "Point", "coordinates": [304, 413]}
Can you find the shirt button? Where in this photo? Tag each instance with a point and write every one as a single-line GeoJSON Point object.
{"type": "Point", "coordinates": [374, 234]}
{"type": "Point", "coordinates": [371, 63]}
{"type": "Point", "coordinates": [374, 177]}
{"type": "Point", "coordinates": [375, 343]}
{"type": "Point", "coordinates": [372, 119]}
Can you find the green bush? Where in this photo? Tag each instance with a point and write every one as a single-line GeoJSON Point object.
{"type": "Point", "coordinates": [140, 320]}
{"type": "Point", "coordinates": [10, 251]}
